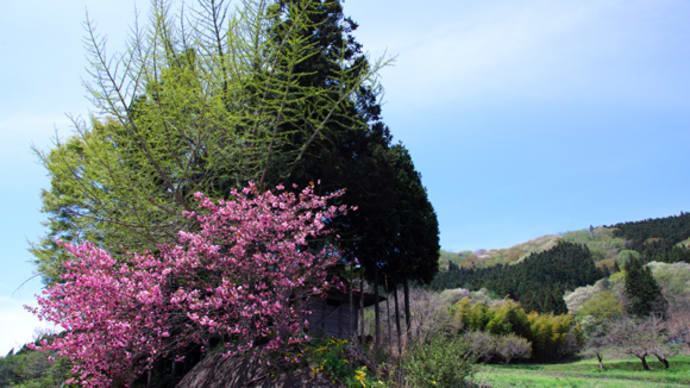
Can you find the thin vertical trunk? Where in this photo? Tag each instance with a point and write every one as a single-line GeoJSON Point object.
{"type": "Point", "coordinates": [353, 316]}
{"type": "Point", "coordinates": [388, 316]}
{"type": "Point", "coordinates": [361, 304]}
{"type": "Point", "coordinates": [377, 330]}
{"type": "Point", "coordinates": [397, 320]}
{"type": "Point", "coordinates": [406, 289]}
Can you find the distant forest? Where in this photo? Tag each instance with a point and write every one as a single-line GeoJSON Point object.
{"type": "Point", "coordinates": [659, 239]}
{"type": "Point", "coordinates": [538, 282]}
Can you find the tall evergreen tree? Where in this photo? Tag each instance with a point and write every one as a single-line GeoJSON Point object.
{"type": "Point", "coordinates": [642, 292]}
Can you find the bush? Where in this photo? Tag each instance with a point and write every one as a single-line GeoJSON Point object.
{"type": "Point", "coordinates": [482, 344]}
{"type": "Point", "coordinates": [441, 362]}
{"type": "Point", "coordinates": [511, 347]}
{"type": "Point", "coordinates": [487, 347]}
{"type": "Point", "coordinates": [332, 357]}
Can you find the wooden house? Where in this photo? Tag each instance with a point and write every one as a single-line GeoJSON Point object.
{"type": "Point", "coordinates": [333, 316]}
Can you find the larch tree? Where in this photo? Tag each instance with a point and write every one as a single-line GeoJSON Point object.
{"type": "Point", "coordinates": [204, 100]}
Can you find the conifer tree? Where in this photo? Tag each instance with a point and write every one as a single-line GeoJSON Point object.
{"type": "Point", "coordinates": [642, 292]}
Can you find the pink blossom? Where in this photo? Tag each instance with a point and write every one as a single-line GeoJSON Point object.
{"type": "Point", "coordinates": [246, 272]}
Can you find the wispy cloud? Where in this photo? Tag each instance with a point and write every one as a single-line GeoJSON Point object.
{"type": "Point", "coordinates": [539, 50]}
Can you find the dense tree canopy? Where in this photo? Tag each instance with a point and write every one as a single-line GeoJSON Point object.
{"type": "Point", "coordinates": [657, 239]}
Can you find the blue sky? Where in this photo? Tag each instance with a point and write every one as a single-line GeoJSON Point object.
{"type": "Point", "coordinates": [524, 118]}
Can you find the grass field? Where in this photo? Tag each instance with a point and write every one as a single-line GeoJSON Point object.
{"type": "Point", "coordinates": [619, 373]}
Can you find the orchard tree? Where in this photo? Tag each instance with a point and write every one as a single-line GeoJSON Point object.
{"type": "Point", "coordinates": [244, 279]}
{"type": "Point", "coordinates": [643, 337]}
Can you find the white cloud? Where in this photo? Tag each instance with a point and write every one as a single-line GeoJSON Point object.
{"type": "Point", "coordinates": [18, 325]}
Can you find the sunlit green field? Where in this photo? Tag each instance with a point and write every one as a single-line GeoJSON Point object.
{"type": "Point", "coordinates": [619, 373]}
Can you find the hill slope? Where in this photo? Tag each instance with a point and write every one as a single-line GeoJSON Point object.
{"type": "Point", "coordinates": [652, 238]}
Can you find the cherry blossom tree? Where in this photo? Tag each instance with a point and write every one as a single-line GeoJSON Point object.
{"type": "Point", "coordinates": [244, 278]}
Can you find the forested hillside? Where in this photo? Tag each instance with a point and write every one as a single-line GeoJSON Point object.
{"type": "Point", "coordinates": [537, 273]}
{"type": "Point", "coordinates": [660, 239]}
{"type": "Point", "coordinates": [538, 282]}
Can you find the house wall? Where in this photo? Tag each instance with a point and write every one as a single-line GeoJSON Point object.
{"type": "Point", "coordinates": [331, 320]}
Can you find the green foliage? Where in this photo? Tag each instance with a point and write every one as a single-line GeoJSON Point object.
{"type": "Point", "coordinates": [30, 368]}
{"type": "Point", "coordinates": [673, 278]}
{"type": "Point", "coordinates": [625, 255]}
{"type": "Point", "coordinates": [263, 96]}
{"type": "Point", "coordinates": [441, 362]}
{"type": "Point", "coordinates": [602, 306]}
{"type": "Point", "coordinates": [642, 292]}
{"type": "Point", "coordinates": [655, 239]}
{"type": "Point", "coordinates": [330, 357]}
{"type": "Point", "coordinates": [552, 336]}
{"type": "Point", "coordinates": [448, 260]}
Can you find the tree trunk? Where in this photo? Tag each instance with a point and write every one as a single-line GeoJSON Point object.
{"type": "Point", "coordinates": [377, 325]}
{"type": "Point", "coordinates": [388, 316]}
{"type": "Point", "coordinates": [406, 289]}
{"type": "Point", "coordinates": [397, 320]}
{"type": "Point", "coordinates": [601, 363]}
{"type": "Point", "coordinates": [353, 317]}
{"type": "Point", "coordinates": [644, 362]}
{"type": "Point", "coordinates": [361, 304]}
{"type": "Point", "coordinates": [663, 361]}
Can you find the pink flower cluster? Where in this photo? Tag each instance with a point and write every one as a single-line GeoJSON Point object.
{"type": "Point", "coordinates": [244, 277]}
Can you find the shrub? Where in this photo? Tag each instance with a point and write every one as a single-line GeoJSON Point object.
{"type": "Point", "coordinates": [511, 347]}
{"type": "Point", "coordinates": [441, 362]}
{"type": "Point", "coordinates": [332, 357]}
{"type": "Point", "coordinates": [482, 345]}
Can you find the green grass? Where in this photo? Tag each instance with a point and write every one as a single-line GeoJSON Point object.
{"type": "Point", "coordinates": [626, 373]}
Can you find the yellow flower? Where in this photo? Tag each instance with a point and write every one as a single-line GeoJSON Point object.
{"type": "Point", "coordinates": [360, 375]}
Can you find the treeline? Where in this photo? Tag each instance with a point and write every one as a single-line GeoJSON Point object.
{"type": "Point", "coordinates": [657, 239]}
{"type": "Point", "coordinates": [538, 282]}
